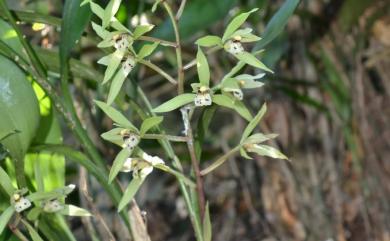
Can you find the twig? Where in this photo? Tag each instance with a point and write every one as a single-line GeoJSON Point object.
{"type": "Point", "coordinates": [181, 9]}
{"type": "Point", "coordinates": [194, 160]}
{"type": "Point", "coordinates": [167, 137]}
{"type": "Point", "coordinates": [180, 71]}
{"type": "Point", "coordinates": [158, 70]}
{"type": "Point", "coordinates": [161, 41]}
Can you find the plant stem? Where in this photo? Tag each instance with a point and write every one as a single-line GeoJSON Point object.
{"type": "Point", "coordinates": [158, 70]}
{"type": "Point", "coordinates": [194, 161]}
{"type": "Point", "coordinates": [167, 137]}
{"type": "Point", "coordinates": [161, 41]}
{"type": "Point", "coordinates": [180, 71]}
{"type": "Point", "coordinates": [220, 161]}
{"type": "Point", "coordinates": [192, 63]}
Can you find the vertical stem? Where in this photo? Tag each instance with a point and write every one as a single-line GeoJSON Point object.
{"type": "Point", "coordinates": [180, 71]}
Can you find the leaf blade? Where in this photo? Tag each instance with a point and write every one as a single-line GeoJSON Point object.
{"type": "Point", "coordinates": [174, 103]}
{"type": "Point", "coordinates": [115, 115]}
{"type": "Point", "coordinates": [203, 68]}
{"type": "Point", "coordinates": [118, 163]}
{"type": "Point", "coordinates": [149, 123]}
{"type": "Point", "coordinates": [130, 191]}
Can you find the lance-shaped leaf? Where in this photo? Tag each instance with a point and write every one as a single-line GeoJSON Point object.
{"type": "Point", "coordinates": [264, 150]}
{"type": "Point", "coordinates": [116, 85]}
{"type": "Point", "coordinates": [110, 12]}
{"type": "Point", "coordinates": [207, 228]}
{"type": "Point", "coordinates": [54, 194]}
{"type": "Point", "coordinates": [99, 11]}
{"type": "Point", "coordinates": [31, 230]}
{"type": "Point", "coordinates": [209, 41]}
{"type": "Point", "coordinates": [229, 102]}
{"type": "Point", "coordinates": [6, 182]}
{"type": "Point", "coordinates": [118, 163]}
{"type": "Point", "coordinates": [113, 64]}
{"type": "Point", "coordinates": [101, 32]}
{"type": "Point", "coordinates": [141, 30]}
{"type": "Point", "coordinates": [255, 139]}
{"type": "Point", "coordinates": [130, 191]}
{"type": "Point", "coordinates": [236, 23]}
{"type": "Point", "coordinates": [147, 50]}
{"type": "Point", "coordinates": [116, 116]}
{"type": "Point", "coordinates": [252, 61]}
{"type": "Point", "coordinates": [5, 217]}
{"type": "Point", "coordinates": [203, 68]}
{"type": "Point", "coordinates": [253, 123]}
{"type": "Point", "coordinates": [71, 210]}
{"type": "Point", "coordinates": [249, 81]}
{"type": "Point", "coordinates": [175, 103]}
{"type": "Point", "coordinates": [150, 122]}
{"type": "Point", "coordinates": [114, 136]}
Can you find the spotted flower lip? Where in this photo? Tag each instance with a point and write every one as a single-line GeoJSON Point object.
{"type": "Point", "coordinates": [128, 64]}
{"type": "Point", "coordinates": [234, 47]}
{"type": "Point", "coordinates": [203, 96]}
{"type": "Point", "coordinates": [20, 203]}
{"type": "Point", "coordinates": [130, 140]}
{"type": "Point", "coordinates": [121, 41]}
{"type": "Point", "coordinates": [52, 206]}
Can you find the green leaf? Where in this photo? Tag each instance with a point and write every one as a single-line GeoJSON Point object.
{"type": "Point", "coordinates": [141, 30]}
{"type": "Point", "coordinates": [5, 217]}
{"type": "Point", "coordinates": [253, 123]}
{"type": "Point", "coordinates": [277, 23]}
{"type": "Point", "coordinates": [209, 41]}
{"type": "Point", "coordinates": [116, 85]}
{"type": "Point", "coordinates": [33, 233]}
{"type": "Point", "coordinates": [252, 60]}
{"type": "Point", "coordinates": [9, 36]}
{"type": "Point", "coordinates": [56, 193]}
{"type": "Point", "coordinates": [238, 106]}
{"type": "Point", "coordinates": [130, 191]}
{"type": "Point", "coordinates": [203, 68]}
{"type": "Point", "coordinates": [75, 19]}
{"type": "Point", "coordinates": [207, 228]}
{"type": "Point", "coordinates": [175, 103]}
{"type": "Point", "coordinates": [110, 11]}
{"type": "Point", "coordinates": [96, 9]}
{"type": "Point", "coordinates": [147, 50]}
{"type": "Point", "coordinates": [113, 64]}
{"type": "Point", "coordinates": [258, 138]}
{"type": "Point", "coordinates": [71, 210]}
{"type": "Point", "coordinates": [6, 182]}
{"type": "Point", "coordinates": [235, 24]}
{"type": "Point", "coordinates": [149, 123]}
{"type": "Point", "coordinates": [115, 115]}
{"type": "Point", "coordinates": [19, 111]}
{"type": "Point", "coordinates": [118, 163]}
{"type": "Point", "coordinates": [264, 150]}
{"type": "Point", "coordinates": [113, 136]}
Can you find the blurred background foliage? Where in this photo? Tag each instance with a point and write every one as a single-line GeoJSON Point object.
{"type": "Point", "coordinates": [328, 101]}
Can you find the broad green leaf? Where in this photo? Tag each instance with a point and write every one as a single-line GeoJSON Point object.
{"type": "Point", "coordinates": [235, 24]}
{"type": "Point", "coordinates": [19, 110]}
{"type": "Point", "coordinates": [115, 115]}
{"type": "Point", "coordinates": [238, 106]}
{"type": "Point", "coordinates": [250, 59]}
{"type": "Point", "coordinates": [31, 230]}
{"type": "Point", "coordinates": [141, 30]}
{"type": "Point", "coordinates": [175, 103]}
{"type": "Point", "coordinates": [264, 150]}
{"type": "Point", "coordinates": [118, 163]}
{"type": "Point", "coordinates": [116, 85]}
{"type": "Point", "coordinates": [110, 11]}
{"type": "Point", "coordinates": [130, 191]}
{"type": "Point", "coordinates": [207, 228]}
{"type": "Point", "coordinates": [203, 68]}
{"type": "Point", "coordinates": [71, 210]}
{"type": "Point", "coordinates": [6, 182]}
{"type": "Point", "coordinates": [5, 217]}
{"type": "Point", "coordinates": [277, 23]}
{"type": "Point", "coordinates": [150, 122]}
{"type": "Point", "coordinates": [147, 50]}
{"type": "Point", "coordinates": [209, 41]}
{"type": "Point", "coordinates": [253, 123]}
{"type": "Point", "coordinates": [113, 64]}
{"type": "Point", "coordinates": [75, 19]}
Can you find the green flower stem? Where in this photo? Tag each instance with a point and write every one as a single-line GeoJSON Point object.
{"type": "Point", "coordinates": [194, 217]}
{"type": "Point", "coordinates": [158, 70]}
{"type": "Point", "coordinates": [167, 137]}
{"type": "Point", "coordinates": [220, 160]}
{"type": "Point", "coordinates": [161, 41]}
{"type": "Point", "coordinates": [180, 70]}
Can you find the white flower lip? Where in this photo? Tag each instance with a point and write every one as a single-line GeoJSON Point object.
{"type": "Point", "coordinates": [128, 165]}
{"type": "Point", "coordinates": [22, 204]}
{"type": "Point", "coordinates": [234, 47]}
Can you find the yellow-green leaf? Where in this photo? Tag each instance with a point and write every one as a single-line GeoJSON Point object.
{"type": "Point", "coordinates": [149, 123]}
{"type": "Point", "coordinates": [203, 68]}
{"type": "Point", "coordinates": [235, 24]}
{"type": "Point", "coordinates": [118, 163]}
{"type": "Point", "coordinates": [130, 191]}
{"type": "Point", "coordinates": [252, 60]}
{"type": "Point", "coordinates": [175, 103]}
